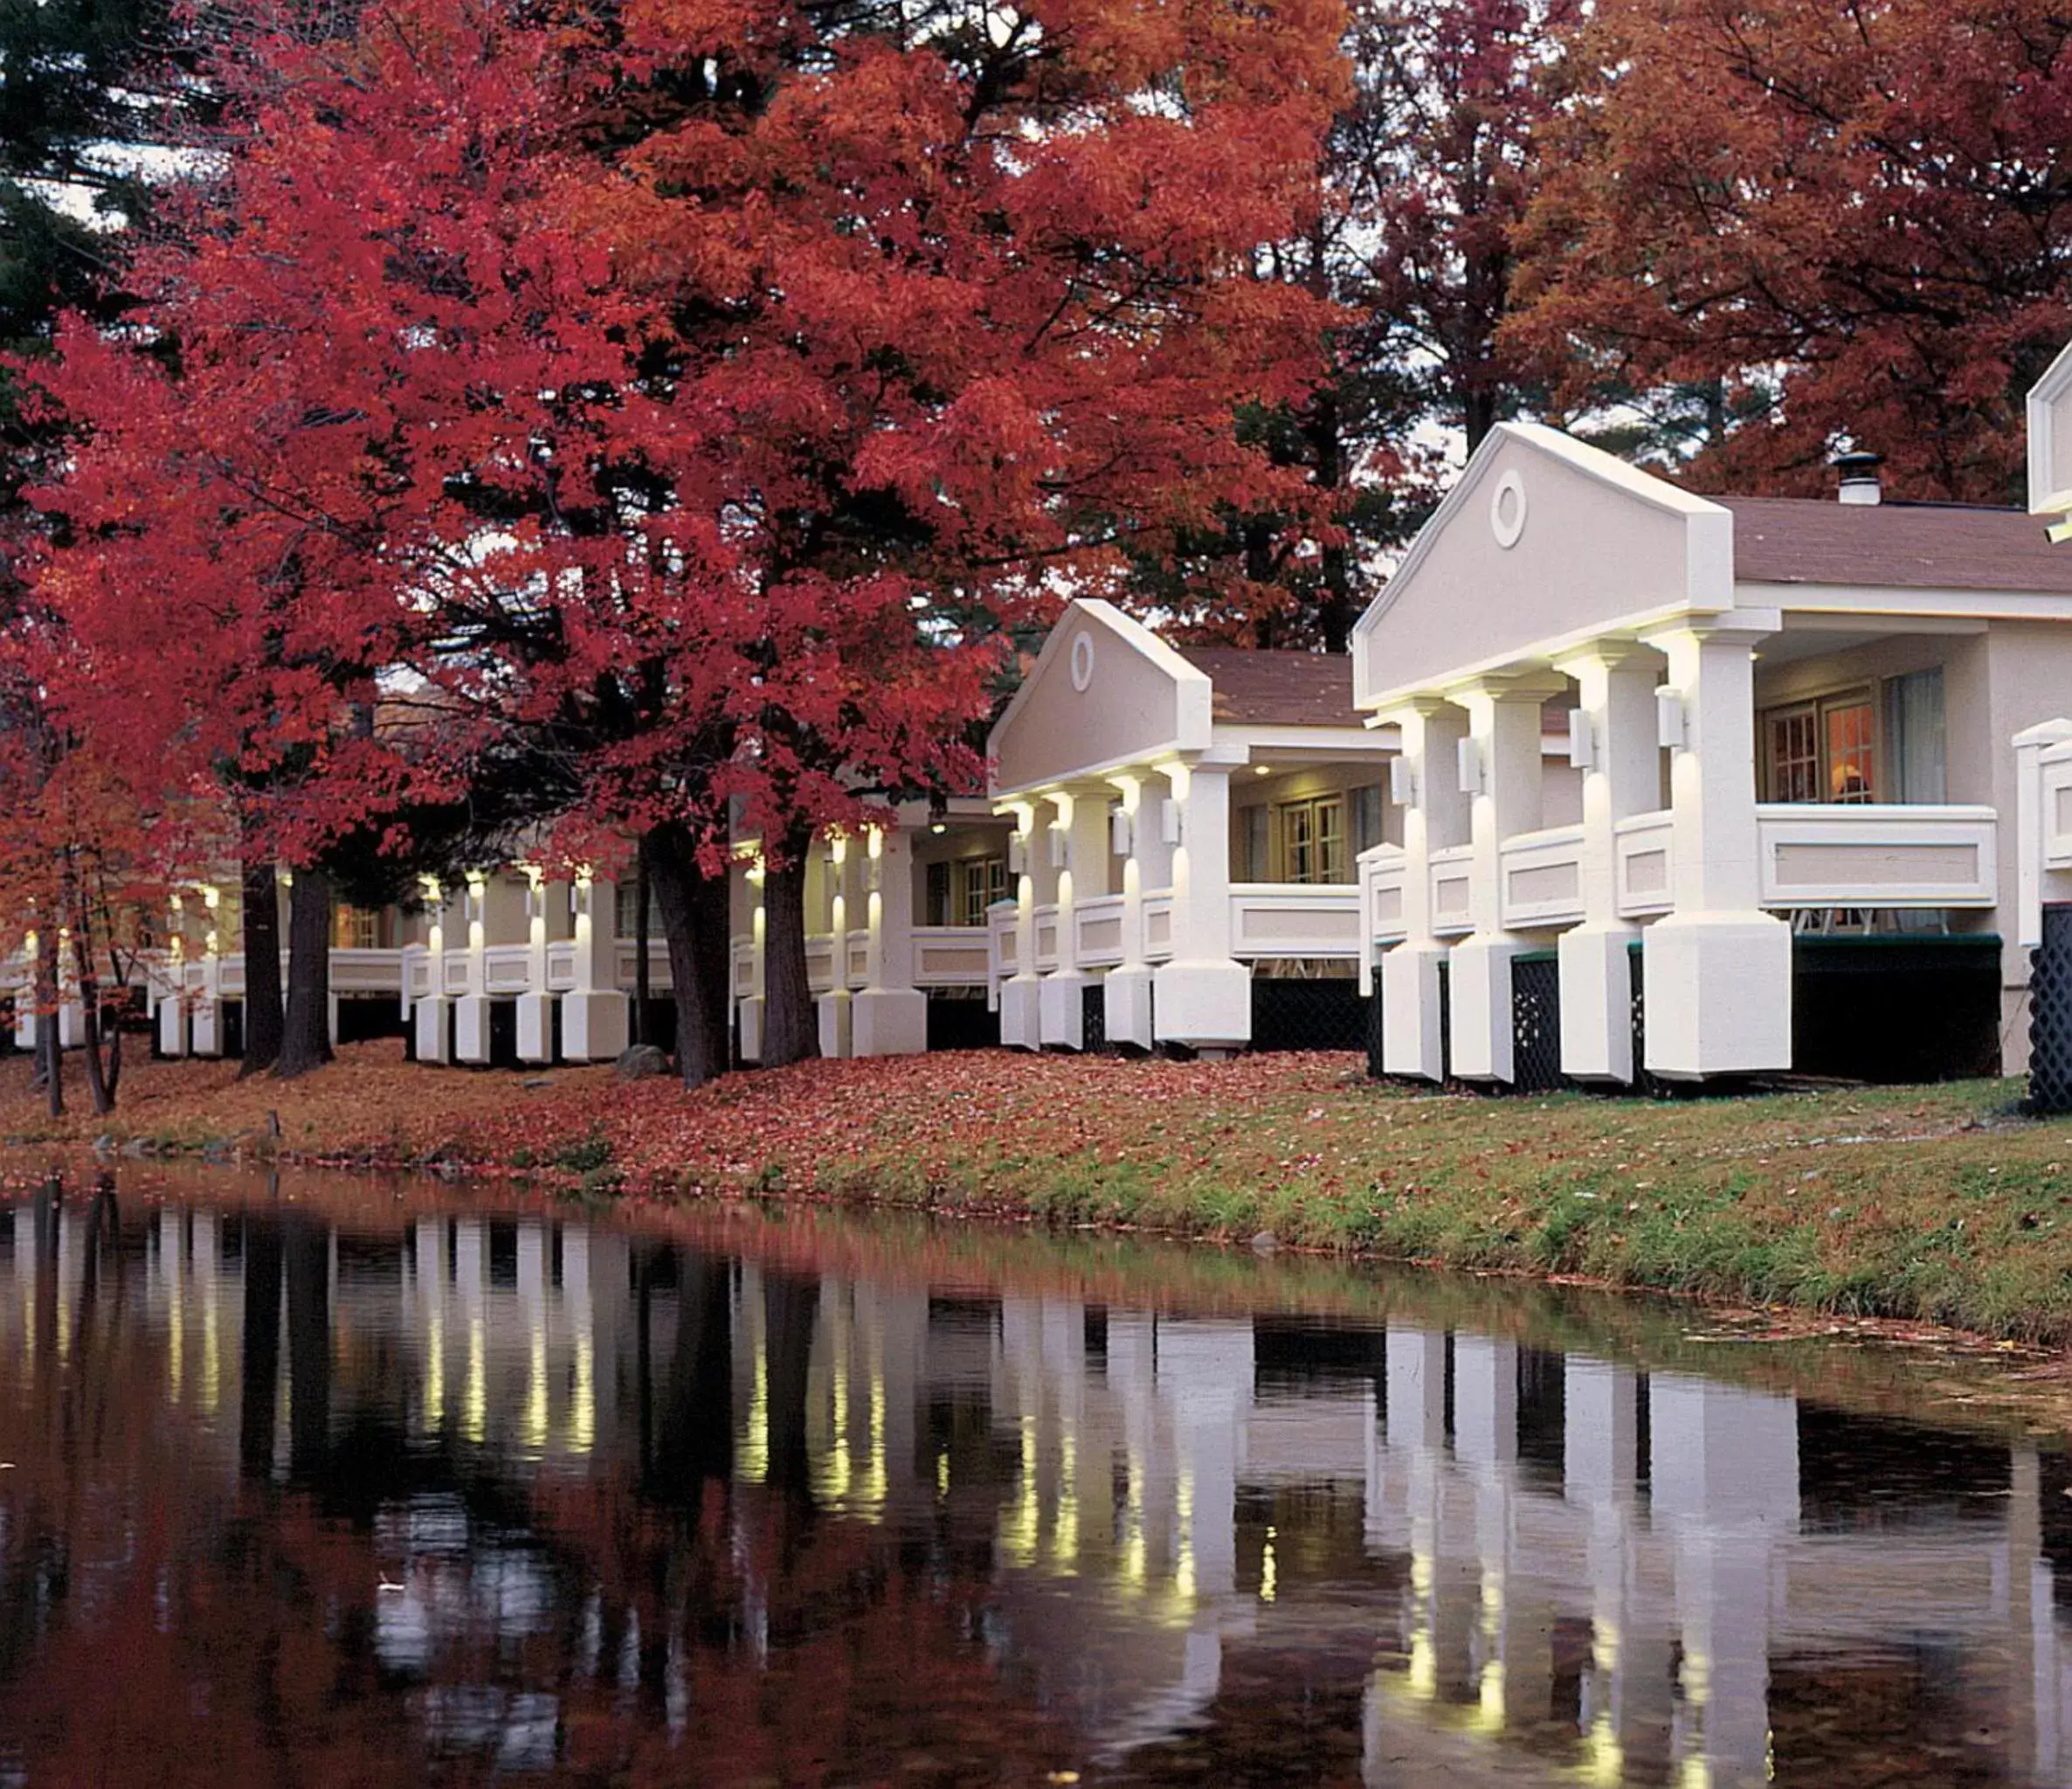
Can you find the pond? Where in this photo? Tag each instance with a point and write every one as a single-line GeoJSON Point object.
{"type": "Point", "coordinates": [317, 1481]}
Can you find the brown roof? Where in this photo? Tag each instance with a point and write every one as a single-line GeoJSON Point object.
{"type": "Point", "coordinates": [1934, 546]}
{"type": "Point", "coordinates": [1277, 689]}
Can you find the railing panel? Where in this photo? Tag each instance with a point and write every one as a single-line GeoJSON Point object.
{"type": "Point", "coordinates": [561, 965]}
{"type": "Point", "coordinates": [1384, 876]}
{"type": "Point", "coordinates": [1283, 919]}
{"type": "Point", "coordinates": [1098, 923]}
{"type": "Point", "coordinates": [2058, 808]}
{"type": "Point", "coordinates": [507, 969]}
{"type": "Point", "coordinates": [952, 956]}
{"type": "Point", "coordinates": [354, 971]}
{"type": "Point", "coordinates": [1159, 926]}
{"type": "Point", "coordinates": [1642, 846]}
{"type": "Point", "coordinates": [1815, 854]}
{"type": "Point", "coordinates": [1542, 877]}
{"type": "Point", "coordinates": [1046, 938]}
{"type": "Point", "coordinates": [1452, 870]}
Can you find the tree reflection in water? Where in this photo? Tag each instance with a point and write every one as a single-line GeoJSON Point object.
{"type": "Point", "coordinates": [382, 1488]}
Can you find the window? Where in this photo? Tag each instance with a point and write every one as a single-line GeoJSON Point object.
{"type": "Point", "coordinates": [1367, 826]}
{"type": "Point", "coordinates": [355, 928]}
{"type": "Point", "coordinates": [1313, 840]}
{"type": "Point", "coordinates": [625, 910]}
{"type": "Point", "coordinates": [981, 881]}
{"type": "Point", "coordinates": [1256, 842]}
{"type": "Point", "coordinates": [1915, 756]}
{"type": "Point", "coordinates": [1823, 751]}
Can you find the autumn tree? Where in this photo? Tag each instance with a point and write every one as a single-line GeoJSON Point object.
{"type": "Point", "coordinates": [1834, 220]}
{"type": "Point", "coordinates": [1427, 170]}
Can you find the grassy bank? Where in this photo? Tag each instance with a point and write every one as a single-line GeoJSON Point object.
{"type": "Point", "coordinates": [1933, 1204]}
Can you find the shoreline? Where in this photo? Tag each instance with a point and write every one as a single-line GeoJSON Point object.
{"type": "Point", "coordinates": [1927, 1205]}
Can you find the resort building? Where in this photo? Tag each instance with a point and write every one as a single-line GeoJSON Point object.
{"type": "Point", "coordinates": [1619, 784]}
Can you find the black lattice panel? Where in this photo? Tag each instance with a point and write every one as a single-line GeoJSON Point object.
{"type": "Point", "coordinates": [1536, 1024]}
{"type": "Point", "coordinates": [1375, 1068]}
{"type": "Point", "coordinates": [1093, 1018]}
{"type": "Point", "coordinates": [1298, 1012]}
{"type": "Point", "coordinates": [2050, 1014]}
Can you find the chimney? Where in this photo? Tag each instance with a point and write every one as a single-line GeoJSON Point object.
{"type": "Point", "coordinates": [1858, 473]}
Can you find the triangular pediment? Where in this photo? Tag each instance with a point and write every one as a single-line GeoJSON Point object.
{"type": "Point", "coordinates": [1542, 541]}
{"type": "Point", "coordinates": [1104, 692]}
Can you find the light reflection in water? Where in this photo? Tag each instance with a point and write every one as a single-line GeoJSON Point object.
{"type": "Point", "coordinates": [758, 1515]}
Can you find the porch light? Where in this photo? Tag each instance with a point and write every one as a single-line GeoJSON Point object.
{"type": "Point", "coordinates": [1668, 718]}
{"type": "Point", "coordinates": [1469, 758]}
{"type": "Point", "coordinates": [1402, 781]}
{"type": "Point", "coordinates": [937, 827]}
{"type": "Point", "coordinates": [1263, 770]}
{"type": "Point", "coordinates": [1582, 740]}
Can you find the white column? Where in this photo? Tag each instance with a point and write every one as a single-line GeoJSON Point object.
{"type": "Point", "coordinates": [535, 1004]}
{"type": "Point", "coordinates": [1082, 832]}
{"type": "Point", "coordinates": [1435, 817]}
{"type": "Point", "coordinates": [1126, 995]}
{"type": "Point", "coordinates": [1717, 968]}
{"type": "Point", "coordinates": [832, 1007]}
{"type": "Point", "coordinates": [751, 1007]}
{"type": "Point", "coordinates": [594, 1013]}
{"type": "Point", "coordinates": [172, 1010]}
{"type": "Point", "coordinates": [471, 1010]}
{"type": "Point", "coordinates": [434, 1033]}
{"type": "Point", "coordinates": [1621, 777]}
{"type": "Point", "coordinates": [889, 1017]}
{"type": "Point", "coordinates": [1204, 996]}
{"type": "Point", "coordinates": [207, 1032]}
{"type": "Point", "coordinates": [1021, 1027]}
{"type": "Point", "coordinates": [1503, 732]}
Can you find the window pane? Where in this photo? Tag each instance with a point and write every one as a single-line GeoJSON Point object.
{"type": "Point", "coordinates": [1794, 757]}
{"type": "Point", "coordinates": [1851, 765]}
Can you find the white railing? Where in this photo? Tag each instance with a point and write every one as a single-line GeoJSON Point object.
{"type": "Point", "coordinates": [560, 966]}
{"type": "Point", "coordinates": [1294, 919]}
{"type": "Point", "coordinates": [744, 969]}
{"type": "Point", "coordinates": [1384, 880]}
{"type": "Point", "coordinates": [417, 971]}
{"type": "Point", "coordinates": [1046, 938]}
{"type": "Point", "coordinates": [1887, 855]}
{"type": "Point", "coordinates": [1641, 845]}
{"type": "Point", "coordinates": [1542, 877]}
{"type": "Point", "coordinates": [1453, 878]}
{"type": "Point", "coordinates": [1158, 925]}
{"type": "Point", "coordinates": [952, 956]}
{"type": "Point", "coordinates": [507, 969]}
{"type": "Point", "coordinates": [357, 972]}
{"type": "Point", "coordinates": [1097, 927]}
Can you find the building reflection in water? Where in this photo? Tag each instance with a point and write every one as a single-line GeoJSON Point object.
{"type": "Point", "coordinates": [523, 1494]}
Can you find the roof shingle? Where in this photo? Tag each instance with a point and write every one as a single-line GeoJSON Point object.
{"type": "Point", "coordinates": [1277, 688]}
{"type": "Point", "coordinates": [1929, 546]}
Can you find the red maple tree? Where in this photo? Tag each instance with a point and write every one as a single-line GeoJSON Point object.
{"type": "Point", "coordinates": [1846, 219]}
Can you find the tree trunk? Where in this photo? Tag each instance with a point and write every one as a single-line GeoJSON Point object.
{"type": "Point", "coordinates": [98, 1085]}
{"type": "Point", "coordinates": [263, 1014]}
{"type": "Point", "coordinates": [790, 1026]}
{"type": "Point", "coordinates": [305, 1026]}
{"type": "Point", "coordinates": [694, 909]}
{"type": "Point", "coordinates": [642, 988]}
{"type": "Point", "coordinates": [50, 1051]}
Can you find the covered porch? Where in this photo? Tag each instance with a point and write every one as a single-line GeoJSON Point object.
{"type": "Point", "coordinates": [1186, 827]}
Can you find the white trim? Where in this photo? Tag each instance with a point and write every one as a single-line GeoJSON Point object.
{"type": "Point", "coordinates": [1357, 741]}
{"type": "Point", "coordinates": [1873, 599]}
{"type": "Point", "coordinates": [1545, 651]}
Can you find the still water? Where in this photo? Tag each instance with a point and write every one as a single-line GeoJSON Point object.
{"type": "Point", "coordinates": [314, 1483]}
